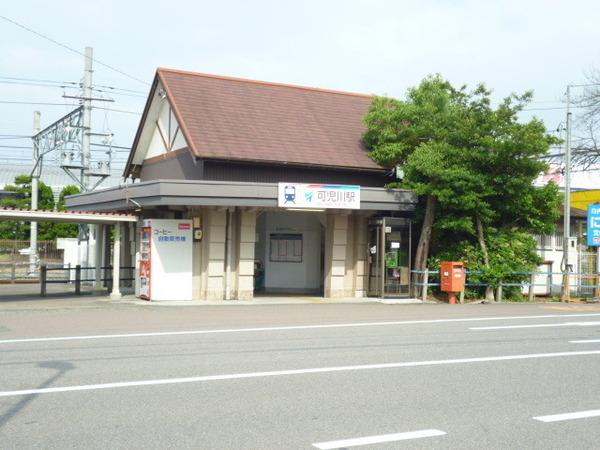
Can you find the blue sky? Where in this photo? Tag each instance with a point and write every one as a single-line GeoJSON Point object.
{"type": "Point", "coordinates": [378, 47]}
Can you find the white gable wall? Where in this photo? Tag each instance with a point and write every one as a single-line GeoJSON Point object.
{"type": "Point", "coordinates": [151, 142]}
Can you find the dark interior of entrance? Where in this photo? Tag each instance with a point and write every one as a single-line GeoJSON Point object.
{"type": "Point", "coordinates": [288, 254]}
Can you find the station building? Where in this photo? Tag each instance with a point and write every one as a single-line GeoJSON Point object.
{"type": "Point", "coordinates": [272, 186]}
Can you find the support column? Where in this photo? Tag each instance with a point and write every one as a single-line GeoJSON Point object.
{"type": "Point", "coordinates": [349, 277]}
{"type": "Point", "coordinates": [131, 254]}
{"type": "Point", "coordinates": [335, 255]}
{"type": "Point", "coordinates": [116, 293]}
{"type": "Point", "coordinates": [99, 232]}
{"type": "Point", "coordinates": [196, 216]}
{"type": "Point", "coordinates": [229, 282]}
{"type": "Point", "coordinates": [360, 255]}
{"type": "Point", "coordinates": [214, 246]}
{"type": "Point", "coordinates": [245, 263]}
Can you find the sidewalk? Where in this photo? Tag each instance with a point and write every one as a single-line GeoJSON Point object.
{"type": "Point", "coordinates": [283, 300]}
{"type": "Point", "coordinates": [27, 296]}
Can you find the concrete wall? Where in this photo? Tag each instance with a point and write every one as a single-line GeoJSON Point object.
{"type": "Point", "coordinates": [346, 255]}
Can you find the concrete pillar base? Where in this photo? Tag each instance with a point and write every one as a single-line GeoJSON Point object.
{"type": "Point", "coordinates": [245, 295]}
{"type": "Point", "coordinates": [116, 297]}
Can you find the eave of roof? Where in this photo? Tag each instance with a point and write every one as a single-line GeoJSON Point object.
{"type": "Point", "coordinates": [89, 217]}
{"type": "Point", "coordinates": [186, 193]}
{"type": "Point", "coordinates": [138, 133]}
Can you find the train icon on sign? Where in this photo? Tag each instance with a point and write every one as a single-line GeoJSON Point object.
{"type": "Point", "coordinates": [289, 193]}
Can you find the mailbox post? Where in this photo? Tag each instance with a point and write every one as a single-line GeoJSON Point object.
{"type": "Point", "coordinates": [452, 277]}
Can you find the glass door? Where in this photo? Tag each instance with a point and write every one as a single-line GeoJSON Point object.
{"type": "Point", "coordinates": [389, 257]}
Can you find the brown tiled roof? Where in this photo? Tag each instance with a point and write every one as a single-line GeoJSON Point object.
{"type": "Point", "coordinates": [238, 119]}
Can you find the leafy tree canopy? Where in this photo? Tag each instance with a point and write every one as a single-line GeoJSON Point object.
{"type": "Point", "coordinates": [46, 230]}
{"type": "Point", "coordinates": [477, 161]}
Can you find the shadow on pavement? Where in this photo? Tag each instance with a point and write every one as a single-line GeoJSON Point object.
{"type": "Point", "coordinates": [31, 292]}
{"type": "Point", "coordinates": [61, 368]}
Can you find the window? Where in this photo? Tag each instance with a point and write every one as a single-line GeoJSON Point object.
{"type": "Point", "coordinates": [285, 247]}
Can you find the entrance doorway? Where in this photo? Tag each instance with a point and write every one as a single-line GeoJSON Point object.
{"type": "Point", "coordinates": [389, 258]}
{"type": "Point", "coordinates": [289, 253]}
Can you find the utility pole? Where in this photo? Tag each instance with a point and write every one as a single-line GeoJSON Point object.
{"type": "Point", "coordinates": [84, 231]}
{"type": "Point", "coordinates": [35, 176]}
{"type": "Point", "coordinates": [87, 117]}
{"type": "Point", "coordinates": [566, 290]}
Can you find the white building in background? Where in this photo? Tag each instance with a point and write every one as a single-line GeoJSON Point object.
{"type": "Point", "coordinates": [582, 259]}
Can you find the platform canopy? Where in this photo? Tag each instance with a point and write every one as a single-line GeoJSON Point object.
{"type": "Point", "coordinates": [83, 217]}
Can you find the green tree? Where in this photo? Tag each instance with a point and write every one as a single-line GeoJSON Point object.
{"type": "Point", "coordinates": [474, 165]}
{"type": "Point", "coordinates": [46, 230]}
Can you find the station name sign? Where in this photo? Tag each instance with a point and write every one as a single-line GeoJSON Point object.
{"type": "Point", "coordinates": [319, 196]}
{"type": "Point", "coordinates": [593, 225]}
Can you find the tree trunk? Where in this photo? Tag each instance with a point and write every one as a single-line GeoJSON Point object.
{"type": "Point", "coordinates": [489, 290]}
{"type": "Point", "coordinates": [424, 239]}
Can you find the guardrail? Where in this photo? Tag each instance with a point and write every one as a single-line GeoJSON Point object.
{"type": "Point", "coordinates": [425, 284]}
{"type": "Point", "coordinates": [46, 270]}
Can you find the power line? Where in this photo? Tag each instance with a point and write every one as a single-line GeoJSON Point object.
{"type": "Point", "coordinates": [75, 84]}
{"type": "Point", "coordinates": [555, 108]}
{"type": "Point", "coordinates": [120, 89]}
{"type": "Point", "coordinates": [71, 49]}
{"type": "Point", "coordinates": [114, 92]}
{"type": "Point", "coordinates": [28, 83]}
{"type": "Point", "coordinates": [118, 110]}
{"type": "Point", "coordinates": [16, 146]}
{"type": "Point", "coordinates": [19, 102]}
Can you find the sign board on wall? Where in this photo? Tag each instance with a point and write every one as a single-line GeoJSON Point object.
{"type": "Point", "coordinates": [593, 225]}
{"type": "Point", "coordinates": [321, 196]}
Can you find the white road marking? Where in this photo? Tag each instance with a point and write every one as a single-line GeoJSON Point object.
{"type": "Point", "coordinates": [585, 341]}
{"type": "Point", "coordinates": [344, 443]}
{"type": "Point", "coordinates": [539, 325]}
{"type": "Point", "coordinates": [237, 376]}
{"type": "Point", "coordinates": [569, 416]}
{"type": "Point", "coordinates": [289, 328]}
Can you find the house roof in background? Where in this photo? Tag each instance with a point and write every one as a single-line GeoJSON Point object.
{"type": "Point", "coordinates": [579, 213]}
{"type": "Point", "coordinates": [238, 119]}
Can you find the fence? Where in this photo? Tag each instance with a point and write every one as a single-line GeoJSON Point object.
{"type": "Point", "coordinates": [587, 263]}
{"type": "Point", "coordinates": [581, 284]}
{"type": "Point", "coordinates": [79, 276]}
{"type": "Point", "coordinates": [23, 272]}
{"type": "Point", "coordinates": [15, 251]}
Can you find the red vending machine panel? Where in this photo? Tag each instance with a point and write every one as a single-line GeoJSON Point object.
{"type": "Point", "coordinates": [145, 262]}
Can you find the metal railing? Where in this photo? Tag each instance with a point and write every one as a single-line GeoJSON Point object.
{"type": "Point", "coordinates": [45, 276]}
{"type": "Point", "coordinates": [579, 289]}
{"type": "Point", "coordinates": [21, 272]}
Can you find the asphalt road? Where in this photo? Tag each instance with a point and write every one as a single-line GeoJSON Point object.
{"type": "Point", "coordinates": [300, 376]}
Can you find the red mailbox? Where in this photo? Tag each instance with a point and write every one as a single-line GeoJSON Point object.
{"type": "Point", "coordinates": [452, 276]}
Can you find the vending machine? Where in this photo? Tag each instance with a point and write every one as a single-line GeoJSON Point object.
{"type": "Point", "coordinates": [165, 269]}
